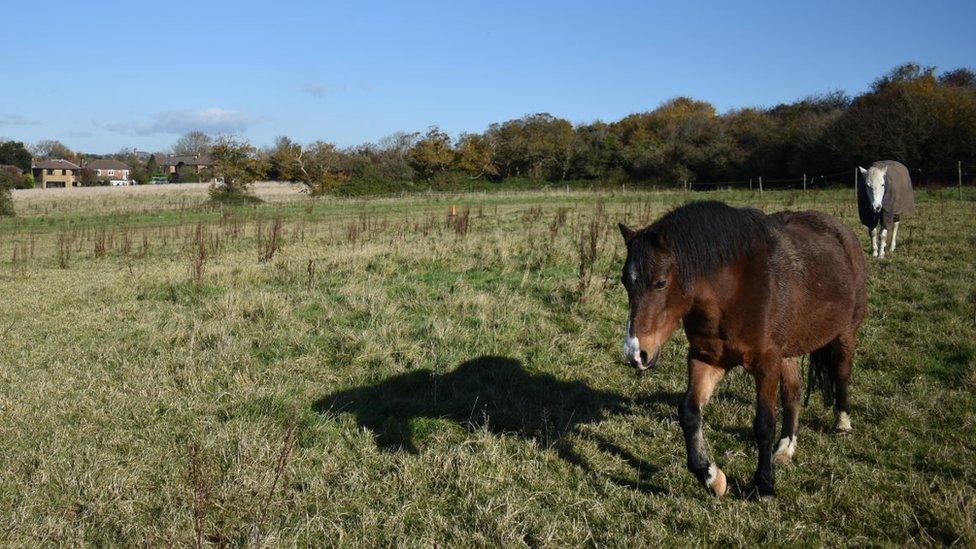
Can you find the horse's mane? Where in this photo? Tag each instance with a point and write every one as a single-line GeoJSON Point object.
{"type": "Point", "coordinates": [705, 236]}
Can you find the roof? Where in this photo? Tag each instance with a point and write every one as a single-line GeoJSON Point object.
{"type": "Point", "coordinates": [188, 159]}
{"type": "Point", "coordinates": [107, 164]}
{"type": "Point", "coordinates": [56, 164]}
{"type": "Point", "coordinates": [11, 168]}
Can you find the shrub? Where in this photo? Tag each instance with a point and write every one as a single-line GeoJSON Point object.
{"type": "Point", "coordinates": [6, 202]}
{"type": "Point", "coordinates": [319, 166]}
{"type": "Point", "coordinates": [237, 166]}
{"type": "Point", "coordinates": [9, 178]}
{"type": "Point", "coordinates": [188, 175]}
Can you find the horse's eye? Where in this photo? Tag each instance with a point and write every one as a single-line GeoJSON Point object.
{"type": "Point", "coordinates": [660, 284]}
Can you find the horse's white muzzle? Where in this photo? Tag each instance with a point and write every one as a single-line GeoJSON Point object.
{"type": "Point", "coordinates": [637, 357]}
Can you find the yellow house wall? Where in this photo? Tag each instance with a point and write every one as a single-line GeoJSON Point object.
{"type": "Point", "coordinates": [68, 176]}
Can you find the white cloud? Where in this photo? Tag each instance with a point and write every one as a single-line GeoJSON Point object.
{"type": "Point", "coordinates": [14, 119]}
{"type": "Point", "coordinates": [211, 121]}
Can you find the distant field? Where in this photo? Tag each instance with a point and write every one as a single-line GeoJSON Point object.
{"type": "Point", "coordinates": [387, 374]}
{"type": "Point", "coordinates": [136, 198]}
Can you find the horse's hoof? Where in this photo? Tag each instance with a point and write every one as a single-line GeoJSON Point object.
{"type": "Point", "coordinates": [763, 492]}
{"type": "Point", "coordinates": [716, 483]}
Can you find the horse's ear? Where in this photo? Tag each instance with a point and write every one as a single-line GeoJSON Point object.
{"type": "Point", "coordinates": [661, 240]}
{"type": "Point", "coordinates": [862, 170]}
{"type": "Point", "coordinates": [626, 232]}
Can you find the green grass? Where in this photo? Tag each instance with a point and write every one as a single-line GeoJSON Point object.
{"type": "Point", "coordinates": [444, 389]}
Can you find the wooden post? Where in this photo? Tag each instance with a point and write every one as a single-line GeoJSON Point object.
{"type": "Point", "coordinates": [750, 183]}
{"type": "Point", "coordinates": [959, 169]}
{"type": "Point", "coordinates": [855, 184]}
{"type": "Point", "coordinates": [804, 182]}
{"type": "Point", "coordinates": [760, 185]}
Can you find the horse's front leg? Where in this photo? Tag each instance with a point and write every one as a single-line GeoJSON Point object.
{"type": "Point", "coordinates": [767, 375]}
{"type": "Point", "coordinates": [873, 235]}
{"type": "Point", "coordinates": [882, 241]}
{"type": "Point", "coordinates": [702, 379]}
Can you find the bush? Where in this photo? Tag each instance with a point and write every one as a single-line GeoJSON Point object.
{"type": "Point", "coordinates": [232, 194]}
{"type": "Point", "coordinates": [320, 166]}
{"type": "Point", "coordinates": [27, 182]}
{"type": "Point", "coordinates": [188, 175]}
{"type": "Point", "coordinates": [9, 178]}
{"type": "Point", "coordinates": [6, 202]}
{"type": "Point", "coordinates": [237, 165]}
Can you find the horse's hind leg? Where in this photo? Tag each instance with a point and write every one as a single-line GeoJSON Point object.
{"type": "Point", "coordinates": [842, 358]}
{"type": "Point", "coordinates": [789, 394]}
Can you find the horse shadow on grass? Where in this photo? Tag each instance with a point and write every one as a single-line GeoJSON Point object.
{"type": "Point", "coordinates": [497, 394]}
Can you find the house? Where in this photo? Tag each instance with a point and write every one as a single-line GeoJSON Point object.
{"type": "Point", "coordinates": [116, 172]}
{"type": "Point", "coordinates": [50, 174]}
{"type": "Point", "coordinates": [195, 167]}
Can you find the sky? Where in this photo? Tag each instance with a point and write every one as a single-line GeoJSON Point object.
{"type": "Point", "coordinates": [101, 76]}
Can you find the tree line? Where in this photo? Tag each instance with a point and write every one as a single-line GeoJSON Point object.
{"type": "Point", "coordinates": [912, 114]}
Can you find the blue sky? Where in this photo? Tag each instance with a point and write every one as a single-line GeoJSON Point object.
{"type": "Point", "coordinates": [101, 76]}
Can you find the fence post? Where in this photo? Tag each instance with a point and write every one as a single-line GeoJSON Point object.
{"type": "Point", "coordinates": [855, 184]}
{"type": "Point", "coordinates": [804, 182]}
{"type": "Point", "coordinates": [760, 185]}
{"type": "Point", "coordinates": [959, 170]}
{"type": "Point", "coordinates": [750, 183]}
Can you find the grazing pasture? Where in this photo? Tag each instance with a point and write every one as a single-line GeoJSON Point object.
{"type": "Point", "coordinates": [356, 372]}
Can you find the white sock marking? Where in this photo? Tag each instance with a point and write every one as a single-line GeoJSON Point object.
{"type": "Point", "coordinates": [712, 475]}
{"type": "Point", "coordinates": [786, 447]}
{"type": "Point", "coordinates": [843, 422]}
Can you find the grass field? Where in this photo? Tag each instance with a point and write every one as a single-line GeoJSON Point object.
{"type": "Point", "coordinates": [376, 372]}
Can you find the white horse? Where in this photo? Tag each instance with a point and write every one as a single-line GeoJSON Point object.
{"type": "Point", "coordinates": [884, 197]}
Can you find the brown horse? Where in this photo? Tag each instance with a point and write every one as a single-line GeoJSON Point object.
{"type": "Point", "coordinates": [751, 289]}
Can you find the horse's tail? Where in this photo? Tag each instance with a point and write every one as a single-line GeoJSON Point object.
{"type": "Point", "coordinates": [820, 376]}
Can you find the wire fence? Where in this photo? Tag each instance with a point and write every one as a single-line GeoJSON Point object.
{"type": "Point", "coordinates": [958, 175]}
